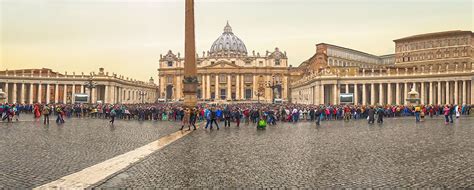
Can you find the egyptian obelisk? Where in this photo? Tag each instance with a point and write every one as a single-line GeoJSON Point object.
{"type": "Point", "coordinates": [190, 70]}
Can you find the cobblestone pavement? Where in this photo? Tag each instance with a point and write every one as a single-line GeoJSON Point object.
{"type": "Point", "coordinates": [398, 153]}
{"type": "Point", "coordinates": [32, 154]}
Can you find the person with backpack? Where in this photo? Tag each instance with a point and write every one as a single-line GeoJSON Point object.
{"type": "Point", "coordinates": [112, 116]}
{"type": "Point", "coordinates": [46, 111]}
{"type": "Point", "coordinates": [261, 123]}
{"type": "Point", "coordinates": [317, 114]}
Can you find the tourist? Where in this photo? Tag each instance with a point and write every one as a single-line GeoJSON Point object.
{"type": "Point", "coordinates": [371, 115]}
{"type": "Point", "coordinates": [46, 111]}
{"type": "Point", "coordinates": [447, 112]}
{"type": "Point", "coordinates": [380, 113]}
{"type": "Point", "coordinates": [186, 119]}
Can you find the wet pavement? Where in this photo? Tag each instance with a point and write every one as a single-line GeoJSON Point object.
{"type": "Point", "coordinates": [32, 154]}
{"type": "Point", "coordinates": [399, 153]}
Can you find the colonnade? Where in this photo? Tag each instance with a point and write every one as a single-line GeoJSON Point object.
{"type": "Point", "coordinates": [55, 92]}
{"type": "Point", "coordinates": [437, 91]}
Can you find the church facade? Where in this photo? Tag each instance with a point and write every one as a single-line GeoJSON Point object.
{"type": "Point", "coordinates": [227, 72]}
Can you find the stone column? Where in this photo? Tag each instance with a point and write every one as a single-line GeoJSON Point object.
{"type": "Point", "coordinates": [216, 87]}
{"type": "Point", "coordinates": [56, 93]}
{"type": "Point", "coordinates": [456, 92]}
{"type": "Point", "coordinates": [405, 93]}
{"type": "Point", "coordinates": [65, 94]}
{"type": "Point", "coordinates": [356, 94]}
{"type": "Point", "coordinates": [106, 94]}
{"type": "Point", "coordinates": [335, 93]}
{"type": "Point", "coordinates": [381, 94]}
{"type": "Point", "coordinates": [15, 91]}
{"type": "Point", "coordinates": [178, 87]}
{"type": "Point", "coordinates": [364, 94]}
{"type": "Point", "coordinates": [397, 94]}
{"type": "Point", "coordinates": [422, 93]}
{"type": "Point", "coordinates": [7, 92]}
{"type": "Point", "coordinates": [82, 88]}
{"type": "Point", "coordinates": [208, 87]}
{"type": "Point", "coordinates": [255, 86]}
{"type": "Point", "coordinates": [203, 86]}
{"type": "Point", "coordinates": [322, 94]}
{"type": "Point", "coordinates": [30, 96]}
{"type": "Point", "coordinates": [439, 92]}
{"type": "Point", "coordinates": [229, 87]}
{"type": "Point", "coordinates": [237, 87]}
{"type": "Point", "coordinates": [389, 94]}
{"type": "Point", "coordinates": [372, 93]}
{"type": "Point", "coordinates": [48, 92]}
{"type": "Point", "coordinates": [23, 93]}
{"type": "Point", "coordinates": [447, 93]}
{"type": "Point", "coordinates": [431, 94]}
{"type": "Point", "coordinates": [39, 93]}
{"type": "Point", "coordinates": [242, 87]}
{"type": "Point", "coordinates": [472, 89]}
{"type": "Point", "coordinates": [464, 94]}
{"type": "Point", "coordinates": [347, 88]}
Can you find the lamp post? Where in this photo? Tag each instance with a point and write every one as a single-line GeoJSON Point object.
{"type": "Point", "coordinates": [90, 85]}
{"type": "Point", "coordinates": [142, 94]}
{"type": "Point", "coordinates": [260, 92]}
{"type": "Point", "coordinates": [273, 84]}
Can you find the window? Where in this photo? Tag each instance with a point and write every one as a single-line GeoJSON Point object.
{"type": "Point", "coordinates": [222, 78]}
{"type": "Point", "coordinates": [212, 62]}
{"type": "Point", "coordinates": [277, 62]}
{"type": "Point", "coordinates": [247, 62]}
{"type": "Point", "coordinates": [233, 62]}
{"type": "Point", "coordinates": [248, 94]}
{"type": "Point", "coordinates": [170, 63]}
{"type": "Point", "coordinates": [170, 80]}
{"type": "Point", "coordinates": [261, 63]}
{"type": "Point", "coordinates": [248, 78]}
{"type": "Point", "coordinates": [223, 94]}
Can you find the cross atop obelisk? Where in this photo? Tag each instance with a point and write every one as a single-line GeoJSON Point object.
{"type": "Point", "coordinates": [190, 70]}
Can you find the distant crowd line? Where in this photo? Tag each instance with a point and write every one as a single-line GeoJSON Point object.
{"type": "Point", "coordinates": [213, 114]}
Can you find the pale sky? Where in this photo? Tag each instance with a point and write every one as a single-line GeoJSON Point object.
{"type": "Point", "coordinates": [128, 36]}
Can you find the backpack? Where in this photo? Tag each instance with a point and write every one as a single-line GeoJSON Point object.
{"type": "Point", "coordinates": [262, 123]}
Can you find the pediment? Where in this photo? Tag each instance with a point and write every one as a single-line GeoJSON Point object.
{"type": "Point", "coordinates": [222, 65]}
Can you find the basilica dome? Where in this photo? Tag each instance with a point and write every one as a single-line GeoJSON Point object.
{"type": "Point", "coordinates": [228, 44]}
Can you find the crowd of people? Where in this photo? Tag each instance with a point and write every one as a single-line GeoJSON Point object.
{"type": "Point", "coordinates": [213, 114]}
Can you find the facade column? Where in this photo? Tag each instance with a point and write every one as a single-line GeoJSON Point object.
{"type": "Point", "coordinates": [242, 87]}
{"type": "Point", "coordinates": [347, 88]}
{"type": "Point", "coordinates": [464, 94]}
{"type": "Point", "coordinates": [372, 93]}
{"type": "Point", "coordinates": [14, 98]}
{"type": "Point", "coordinates": [322, 95]}
{"type": "Point", "coordinates": [203, 87]}
{"type": "Point", "coordinates": [447, 93]}
{"type": "Point", "coordinates": [237, 87]}
{"type": "Point", "coordinates": [48, 93]}
{"type": "Point", "coordinates": [7, 92]}
{"type": "Point", "coordinates": [216, 89]}
{"type": "Point", "coordinates": [106, 94]}
{"type": "Point", "coordinates": [23, 93]}
{"type": "Point", "coordinates": [364, 94]}
{"type": "Point", "coordinates": [65, 94]}
{"type": "Point", "coordinates": [397, 94]}
{"type": "Point", "coordinates": [30, 96]}
{"type": "Point", "coordinates": [229, 87]}
{"type": "Point", "coordinates": [381, 94]}
{"type": "Point", "coordinates": [39, 93]}
{"type": "Point", "coordinates": [405, 93]}
{"type": "Point", "coordinates": [389, 94]}
{"type": "Point", "coordinates": [472, 91]}
{"type": "Point", "coordinates": [56, 93]}
{"type": "Point", "coordinates": [431, 94]}
{"type": "Point", "coordinates": [255, 86]}
{"type": "Point", "coordinates": [335, 93]}
{"type": "Point", "coordinates": [178, 87]}
{"type": "Point", "coordinates": [356, 95]}
{"type": "Point", "coordinates": [208, 86]}
{"type": "Point", "coordinates": [82, 89]}
{"type": "Point", "coordinates": [456, 92]}
{"type": "Point", "coordinates": [439, 92]}
{"type": "Point", "coordinates": [422, 93]}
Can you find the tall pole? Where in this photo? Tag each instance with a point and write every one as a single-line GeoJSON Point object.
{"type": "Point", "coordinates": [190, 69]}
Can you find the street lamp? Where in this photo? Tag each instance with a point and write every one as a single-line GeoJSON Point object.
{"type": "Point", "coordinates": [142, 94]}
{"type": "Point", "coordinates": [90, 85]}
{"type": "Point", "coordinates": [273, 84]}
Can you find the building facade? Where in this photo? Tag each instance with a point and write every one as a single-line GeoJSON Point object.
{"type": "Point", "coordinates": [440, 66]}
{"type": "Point", "coordinates": [228, 73]}
{"type": "Point", "coordinates": [47, 86]}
